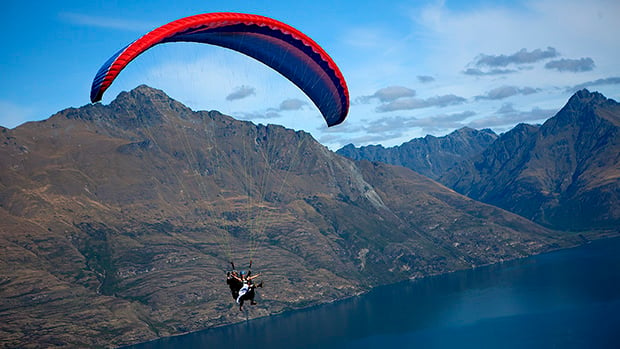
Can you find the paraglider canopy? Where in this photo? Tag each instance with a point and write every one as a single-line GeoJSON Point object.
{"type": "Point", "coordinates": [278, 45]}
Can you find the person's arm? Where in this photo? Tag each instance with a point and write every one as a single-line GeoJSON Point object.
{"type": "Point", "coordinates": [236, 277]}
{"type": "Point", "coordinates": [254, 276]}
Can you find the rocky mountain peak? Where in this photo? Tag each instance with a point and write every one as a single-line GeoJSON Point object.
{"type": "Point", "coordinates": [586, 104]}
{"type": "Point", "coordinates": [147, 105]}
{"type": "Point", "coordinates": [584, 96]}
{"type": "Point", "coordinates": [143, 93]}
{"type": "Point", "coordinates": [141, 107]}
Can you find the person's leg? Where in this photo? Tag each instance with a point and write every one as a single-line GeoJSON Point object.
{"type": "Point", "coordinates": [251, 295]}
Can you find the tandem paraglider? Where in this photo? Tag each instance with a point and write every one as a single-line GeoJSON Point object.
{"type": "Point", "coordinates": [283, 48]}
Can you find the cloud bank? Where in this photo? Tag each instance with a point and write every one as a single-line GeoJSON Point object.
{"type": "Point", "coordinates": [522, 56]}
{"type": "Point", "coordinates": [418, 103]}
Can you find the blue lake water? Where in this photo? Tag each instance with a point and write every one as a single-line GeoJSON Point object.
{"type": "Point", "coordinates": [563, 299]}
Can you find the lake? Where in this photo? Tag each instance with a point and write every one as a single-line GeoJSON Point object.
{"type": "Point", "coordinates": [564, 299]}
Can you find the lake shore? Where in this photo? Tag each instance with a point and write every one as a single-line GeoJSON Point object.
{"type": "Point", "coordinates": [587, 238]}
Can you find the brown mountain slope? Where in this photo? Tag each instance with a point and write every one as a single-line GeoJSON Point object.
{"type": "Point", "coordinates": [117, 223]}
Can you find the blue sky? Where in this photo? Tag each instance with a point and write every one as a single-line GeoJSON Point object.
{"type": "Point", "coordinates": [413, 67]}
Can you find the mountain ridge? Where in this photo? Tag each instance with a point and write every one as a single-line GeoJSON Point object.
{"type": "Point", "coordinates": [430, 155]}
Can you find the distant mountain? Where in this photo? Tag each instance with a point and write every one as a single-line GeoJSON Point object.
{"type": "Point", "coordinates": [117, 223]}
{"type": "Point", "coordinates": [430, 156]}
{"type": "Point", "coordinates": [564, 174]}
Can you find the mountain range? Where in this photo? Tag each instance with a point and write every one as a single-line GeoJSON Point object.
{"type": "Point", "coordinates": [564, 174]}
{"type": "Point", "coordinates": [118, 223]}
{"type": "Point", "coordinates": [430, 156]}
